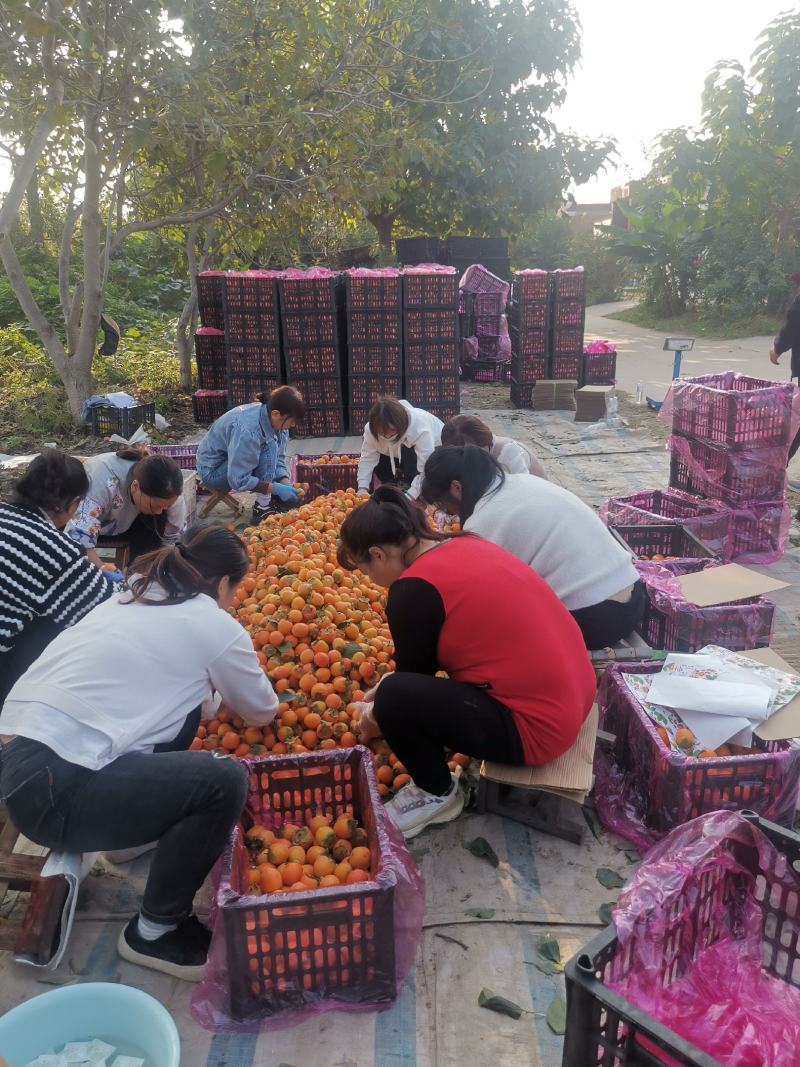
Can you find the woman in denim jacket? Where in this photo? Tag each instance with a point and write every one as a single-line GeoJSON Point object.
{"type": "Point", "coordinates": [245, 450]}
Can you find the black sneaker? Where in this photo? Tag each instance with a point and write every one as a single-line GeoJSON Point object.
{"type": "Point", "coordinates": [182, 953]}
{"type": "Point", "coordinates": [260, 512]}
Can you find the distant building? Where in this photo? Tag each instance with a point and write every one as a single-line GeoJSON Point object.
{"type": "Point", "coordinates": [587, 218]}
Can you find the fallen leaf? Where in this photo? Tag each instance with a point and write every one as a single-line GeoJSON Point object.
{"type": "Point", "coordinates": [609, 879]}
{"type": "Point", "coordinates": [557, 1015]}
{"type": "Point", "coordinates": [487, 998]}
{"type": "Point", "coordinates": [481, 848]}
{"type": "Point", "coordinates": [57, 980]}
{"type": "Point", "coordinates": [480, 913]}
{"type": "Point", "coordinates": [604, 911]}
{"type": "Point", "coordinates": [546, 967]}
{"type": "Point", "coordinates": [593, 823]}
{"type": "Point", "coordinates": [549, 948]}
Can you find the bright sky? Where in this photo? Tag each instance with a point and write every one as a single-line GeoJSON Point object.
{"type": "Point", "coordinates": [644, 62]}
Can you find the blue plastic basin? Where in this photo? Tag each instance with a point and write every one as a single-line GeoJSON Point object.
{"type": "Point", "coordinates": [133, 1021]}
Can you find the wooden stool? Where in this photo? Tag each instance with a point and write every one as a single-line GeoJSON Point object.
{"type": "Point", "coordinates": [221, 496]}
{"type": "Point", "coordinates": [548, 797]}
{"type": "Point", "coordinates": [122, 550]}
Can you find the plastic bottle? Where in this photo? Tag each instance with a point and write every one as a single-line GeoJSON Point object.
{"type": "Point", "coordinates": [639, 393]}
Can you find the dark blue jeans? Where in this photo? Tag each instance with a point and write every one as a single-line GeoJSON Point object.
{"type": "Point", "coordinates": [187, 801]}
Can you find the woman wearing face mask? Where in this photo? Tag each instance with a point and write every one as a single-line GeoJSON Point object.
{"type": "Point", "coordinates": [519, 684]}
{"type": "Point", "coordinates": [549, 529]}
{"type": "Point", "coordinates": [46, 581]}
{"type": "Point", "coordinates": [245, 450]}
{"type": "Point", "coordinates": [99, 721]}
{"type": "Point", "coordinates": [397, 441]}
{"type": "Point", "coordinates": [131, 493]}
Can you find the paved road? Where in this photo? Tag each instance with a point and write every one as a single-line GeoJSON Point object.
{"type": "Point", "coordinates": [640, 357]}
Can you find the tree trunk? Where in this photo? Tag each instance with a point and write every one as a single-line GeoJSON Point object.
{"type": "Point", "coordinates": [383, 221]}
{"type": "Point", "coordinates": [35, 220]}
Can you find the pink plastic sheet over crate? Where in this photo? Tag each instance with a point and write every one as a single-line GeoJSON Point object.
{"type": "Point", "coordinates": [733, 410]}
{"type": "Point", "coordinates": [296, 274]}
{"type": "Point", "coordinates": [707, 935]}
{"type": "Point", "coordinates": [720, 473]}
{"type": "Point", "coordinates": [429, 268]}
{"type": "Point", "coordinates": [643, 789]}
{"type": "Point", "coordinates": [477, 279]}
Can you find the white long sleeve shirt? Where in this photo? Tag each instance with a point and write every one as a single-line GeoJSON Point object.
{"type": "Point", "coordinates": [515, 458]}
{"type": "Point", "coordinates": [423, 434]}
{"type": "Point", "coordinates": [558, 536]}
{"type": "Point", "coordinates": [126, 676]}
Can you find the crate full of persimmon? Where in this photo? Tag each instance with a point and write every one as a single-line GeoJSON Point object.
{"type": "Point", "coordinates": [327, 472]}
{"type": "Point", "coordinates": [647, 782]}
{"type": "Point", "coordinates": [319, 903]}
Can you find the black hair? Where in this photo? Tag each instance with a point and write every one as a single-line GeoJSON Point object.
{"type": "Point", "coordinates": [470, 465]}
{"type": "Point", "coordinates": [158, 476]}
{"type": "Point", "coordinates": [195, 565]}
{"type": "Point", "coordinates": [52, 481]}
{"type": "Point", "coordinates": [287, 401]}
{"type": "Point", "coordinates": [387, 518]}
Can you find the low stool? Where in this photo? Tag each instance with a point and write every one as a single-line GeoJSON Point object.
{"type": "Point", "coordinates": [122, 549]}
{"type": "Point", "coordinates": [221, 496]}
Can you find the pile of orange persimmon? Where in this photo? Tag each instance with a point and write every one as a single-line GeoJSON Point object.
{"type": "Point", "coordinates": [320, 633]}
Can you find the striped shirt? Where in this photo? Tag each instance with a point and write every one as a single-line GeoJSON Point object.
{"type": "Point", "coordinates": [42, 573]}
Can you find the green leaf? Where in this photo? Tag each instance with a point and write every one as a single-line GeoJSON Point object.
{"type": "Point", "coordinates": [549, 951]}
{"type": "Point", "coordinates": [482, 850]}
{"type": "Point", "coordinates": [487, 998]}
{"type": "Point", "coordinates": [609, 879]}
{"type": "Point", "coordinates": [604, 911]}
{"type": "Point", "coordinates": [350, 649]}
{"type": "Point", "coordinates": [557, 1015]}
{"type": "Point", "coordinates": [480, 913]}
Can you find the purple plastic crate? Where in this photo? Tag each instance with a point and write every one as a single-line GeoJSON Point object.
{"type": "Point", "coordinates": [735, 478]}
{"type": "Point", "coordinates": [733, 410]}
{"type": "Point", "coordinates": [184, 455]}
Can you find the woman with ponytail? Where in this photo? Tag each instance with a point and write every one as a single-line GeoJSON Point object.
{"type": "Point", "coordinates": [46, 581]}
{"type": "Point", "coordinates": [102, 722]}
{"type": "Point", "coordinates": [133, 493]}
{"type": "Point", "coordinates": [519, 684]}
{"type": "Point", "coordinates": [549, 529]}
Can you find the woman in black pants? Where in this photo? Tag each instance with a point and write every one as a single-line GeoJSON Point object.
{"type": "Point", "coordinates": [91, 766]}
{"type": "Point", "coordinates": [519, 682]}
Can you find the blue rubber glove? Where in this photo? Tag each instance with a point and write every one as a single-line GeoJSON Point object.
{"type": "Point", "coordinates": [115, 577]}
{"type": "Point", "coordinates": [284, 491]}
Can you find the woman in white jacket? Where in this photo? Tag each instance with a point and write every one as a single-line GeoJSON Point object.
{"type": "Point", "coordinates": [100, 721]}
{"type": "Point", "coordinates": [398, 439]}
{"type": "Point", "coordinates": [513, 457]}
{"type": "Point", "coordinates": [548, 528]}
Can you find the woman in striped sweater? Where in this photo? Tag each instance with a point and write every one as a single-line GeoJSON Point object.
{"type": "Point", "coordinates": [46, 581]}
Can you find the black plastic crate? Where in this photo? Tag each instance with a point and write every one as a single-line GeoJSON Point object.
{"type": "Point", "coordinates": [487, 370]}
{"type": "Point", "coordinates": [375, 359]}
{"type": "Point", "coordinates": [604, 1028]}
{"type": "Point", "coordinates": [568, 341]}
{"type": "Point", "coordinates": [567, 313]}
{"type": "Point", "coordinates": [432, 390]}
{"type": "Point", "coordinates": [310, 294]}
{"type": "Point", "coordinates": [522, 394]}
{"type": "Point", "coordinates": [527, 370]}
{"type": "Point", "coordinates": [309, 360]}
{"type": "Point", "coordinates": [321, 422]}
{"type": "Point", "coordinates": [374, 292]}
{"type": "Point", "coordinates": [252, 326]}
{"type": "Point", "coordinates": [251, 360]}
{"type": "Point", "coordinates": [251, 291]}
{"type": "Point", "coordinates": [107, 420]}
{"type": "Point", "coordinates": [568, 284]}
{"type": "Point", "coordinates": [310, 328]}
{"type": "Point", "coordinates": [565, 366]}
{"type": "Point", "coordinates": [209, 353]}
{"type": "Point", "coordinates": [374, 327]}
{"type": "Point", "coordinates": [413, 250]}
{"type": "Point", "coordinates": [534, 287]}
{"type": "Point", "coordinates": [430, 325]}
{"type": "Point", "coordinates": [477, 247]}
{"type": "Point", "coordinates": [529, 342]}
{"type": "Point", "coordinates": [434, 290]}
{"type": "Point", "coordinates": [444, 411]}
{"type": "Point", "coordinates": [432, 357]}
{"type": "Point", "coordinates": [247, 388]}
{"type": "Point", "coordinates": [530, 315]}
{"type": "Point", "coordinates": [210, 289]}
{"type": "Point", "coordinates": [669, 541]}
{"type": "Point", "coordinates": [599, 368]}
{"type": "Point", "coordinates": [364, 390]}
{"type": "Point", "coordinates": [206, 408]}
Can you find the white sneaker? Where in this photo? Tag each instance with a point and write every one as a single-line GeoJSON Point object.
{"type": "Point", "coordinates": [125, 855]}
{"type": "Point", "coordinates": [413, 809]}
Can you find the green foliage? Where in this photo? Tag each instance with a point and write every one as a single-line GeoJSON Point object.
{"type": "Point", "coordinates": [550, 243]}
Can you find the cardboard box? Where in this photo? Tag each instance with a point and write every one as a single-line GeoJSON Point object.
{"type": "Point", "coordinates": [726, 585]}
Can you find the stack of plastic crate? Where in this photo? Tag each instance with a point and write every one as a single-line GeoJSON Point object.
{"type": "Point", "coordinates": [209, 353]}
{"type": "Point", "coordinates": [211, 398]}
{"type": "Point", "coordinates": [730, 441]}
{"type": "Point", "coordinates": [430, 339]}
{"type": "Point", "coordinates": [484, 296]}
{"type": "Point", "coordinates": [567, 317]}
{"type": "Point", "coordinates": [252, 334]}
{"type": "Point", "coordinates": [529, 318]}
{"type": "Point", "coordinates": [374, 305]}
{"type": "Point", "coordinates": [312, 345]}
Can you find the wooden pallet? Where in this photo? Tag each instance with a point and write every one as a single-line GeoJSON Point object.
{"type": "Point", "coordinates": [35, 933]}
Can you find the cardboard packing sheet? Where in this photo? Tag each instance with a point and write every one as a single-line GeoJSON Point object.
{"type": "Point", "coordinates": [726, 584]}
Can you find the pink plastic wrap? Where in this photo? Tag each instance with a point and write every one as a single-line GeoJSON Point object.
{"type": "Point", "coordinates": [209, 331]}
{"type": "Point", "coordinates": [707, 932]}
{"type": "Point", "coordinates": [733, 410]}
{"type": "Point", "coordinates": [429, 268]}
{"type": "Point", "coordinates": [599, 347]}
{"type": "Point", "coordinates": [278, 960]}
{"type": "Point", "coordinates": [759, 532]}
{"type": "Point", "coordinates": [295, 274]}
{"type": "Point", "coordinates": [643, 789]}
{"type": "Point", "coordinates": [477, 279]}
{"type": "Point", "coordinates": [373, 272]}
{"type": "Point", "coordinates": [211, 392]}
{"type": "Point", "coordinates": [707, 520]}
{"type": "Point", "coordinates": [469, 350]}
{"type": "Point", "coordinates": [735, 478]}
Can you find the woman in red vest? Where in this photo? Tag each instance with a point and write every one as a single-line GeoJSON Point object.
{"type": "Point", "coordinates": [519, 684]}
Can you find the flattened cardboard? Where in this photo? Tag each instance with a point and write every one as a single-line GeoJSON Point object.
{"type": "Point", "coordinates": [785, 723]}
{"type": "Point", "coordinates": [570, 775]}
{"type": "Point", "coordinates": [726, 584]}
